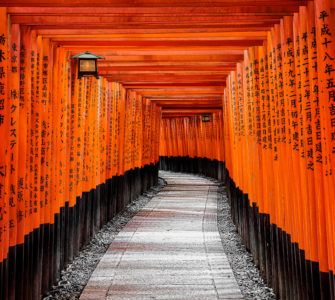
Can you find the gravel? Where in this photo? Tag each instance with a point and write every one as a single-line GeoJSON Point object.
{"type": "Point", "coordinates": [75, 277]}
{"type": "Point", "coordinates": [241, 261]}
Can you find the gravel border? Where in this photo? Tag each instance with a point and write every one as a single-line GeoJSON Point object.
{"type": "Point", "coordinates": [241, 261]}
{"type": "Point", "coordinates": [75, 277]}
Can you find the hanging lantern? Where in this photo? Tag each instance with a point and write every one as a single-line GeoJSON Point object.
{"type": "Point", "coordinates": [87, 64]}
{"type": "Point", "coordinates": [206, 118]}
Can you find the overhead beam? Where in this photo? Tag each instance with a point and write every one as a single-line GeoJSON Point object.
{"type": "Point", "coordinates": [153, 32]}
{"type": "Point", "coordinates": [111, 67]}
{"type": "Point", "coordinates": [173, 45]}
{"type": "Point", "coordinates": [223, 58]}
{"type": "Point", "coordinates": [176, 84]}
{"type": "Point", "coordinates": [148, 3]}
{"type": "Point", "coordinates": [268, 9]}
{"type": "Point", "coordinates": [189, 111]}
{"type": "Point", "coordinates": [146, 19]}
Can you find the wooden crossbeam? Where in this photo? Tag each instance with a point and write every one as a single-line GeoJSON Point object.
{"type": "Point", "coordinates": [176, 53]}
{"type": "Point", "coordinates": [148, 3]}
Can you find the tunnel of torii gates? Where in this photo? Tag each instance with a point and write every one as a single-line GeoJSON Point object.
{"type": "Point", "coordinates": [74, 152]}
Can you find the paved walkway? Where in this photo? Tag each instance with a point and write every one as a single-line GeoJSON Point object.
{"type": "Point", "coordinates": [170, 250]}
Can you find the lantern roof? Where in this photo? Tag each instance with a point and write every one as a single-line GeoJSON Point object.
{"type": "Point", "coordinates": [87, 55]}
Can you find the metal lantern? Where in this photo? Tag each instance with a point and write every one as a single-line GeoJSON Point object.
{"type": "Point", "coordinates": [206, 118]}
{"type": "Point", "coordinates": [87, 64]}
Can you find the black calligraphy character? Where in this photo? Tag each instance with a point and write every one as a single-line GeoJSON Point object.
{"type": "Point", "coordinates": [323, 15]}
{"type": "Point", "coordinates": [12, 122]}
{"type": "Point", "coordinates": [13, 108]}
{"type": "Point", "coordinates": [326, 42]}
{"type": "Point", "coordinates": [329, 69]}
{"type": "Point", "coordinates": [332, 109]}
{"type": "Point", "coordinates": [13, 93]}
{"type": "Point", "coordinates": [2, 39]}
{"type": "Point", "coordinates": [315, 66]}
{"type": "Point", "coordinates": [13, 132]}
{"type": "Point", "coordinates": [327, 56]}
{"type": "Point", "coordinates": [290, 52]}
{"type": "Point", "coordinates": [325, 30]}
{"type": "Point", "coordinates": [2, 55]}
{"type": "Point", "coordinates": [19, 215]}
{"type": "Point", "coordinates": [11, 202]}
{"type": "Point", "coordinates": [2, 73]}
{"type": "Point", "coordinates": [331, 95]}
{"type": "Point", "coordinates": [14, 47]}
{"type": "Point", "coordinates": [330, 83]}
{"type": "Point", "coordinates": [2, 171]}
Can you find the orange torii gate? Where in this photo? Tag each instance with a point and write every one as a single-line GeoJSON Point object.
{"type": "Point", "coordinates": [72, 147]}
{"type": "Point", "coordinates": [68, 144]}
{"type": "Point", "coordinates": [278, 119]}
{"type": "Point", "coordinates": [288, 88]}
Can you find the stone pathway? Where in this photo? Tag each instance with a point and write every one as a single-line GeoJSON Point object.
{"type": "Point", "coordinates": [170, 250]}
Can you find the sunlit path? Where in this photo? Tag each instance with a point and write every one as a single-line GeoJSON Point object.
{"type": "Point", "coordinates": [170, 250]}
